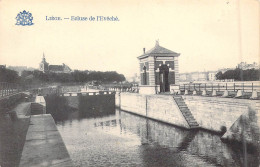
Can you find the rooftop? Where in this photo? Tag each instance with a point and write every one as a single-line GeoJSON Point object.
{"type": "Point", "coordinates": [157, 49]}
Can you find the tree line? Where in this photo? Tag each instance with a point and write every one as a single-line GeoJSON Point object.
{"type": "Point", "coordinates": [7, 75]}
{"type": "Point", "coordinates": [240, 75]}
{"type": "Point", "coordinates": [29, 77]}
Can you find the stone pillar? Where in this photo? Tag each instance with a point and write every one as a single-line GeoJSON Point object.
{"type": "Point", "coordinates": [214, 93]}
{"type": "Point", "coordinates": [176, 69]}
{"type": "Point", "coordinates": [151, 71]}
{"type": "Point", "coordinates": [204, 92]}
{"type": "Point", "coordinates": [254, 95]}
{"type": "Point", "coordinates": [239, 93]}
{"type": "Point", "coordinates": [225, 93]}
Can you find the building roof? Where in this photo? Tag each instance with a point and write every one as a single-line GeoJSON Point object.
{"type": "Point", "coordinates": [55, 68]}
{"type": "Point", "coordinates": [157, 50]}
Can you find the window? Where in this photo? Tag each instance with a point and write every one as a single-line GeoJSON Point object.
{"type": "Point", "coordinates": [144, 76]}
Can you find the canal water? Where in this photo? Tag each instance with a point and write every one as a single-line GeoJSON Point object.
{"type": "Point", "coordinates": [109, 137]}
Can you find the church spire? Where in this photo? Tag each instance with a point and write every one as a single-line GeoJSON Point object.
{"type": "Point", "coordinates": [43, 58]}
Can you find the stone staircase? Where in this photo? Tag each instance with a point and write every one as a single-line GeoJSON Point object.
{"type": "Point", "coordinates": [186, 112]}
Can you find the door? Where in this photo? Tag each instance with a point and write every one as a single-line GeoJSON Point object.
{"type": "Point", "coordinates": [164, 78]}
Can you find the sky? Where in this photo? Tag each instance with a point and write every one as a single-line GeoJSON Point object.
{"type": "Point", "coordinates": [208, 34]}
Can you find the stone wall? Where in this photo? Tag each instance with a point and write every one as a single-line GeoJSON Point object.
{"type": "Point", "coordinates": [212, 113]}
{"type": "Point", "coordinates": [197, 145]}
{"type": "Point", "coordinates": [159, 107]}
{"type": "Point", "coordinates": [246, 128]}
{"type": "Point", "coordinates": [44, 145]}
{"type": "Point", "coordinates": [9, 102]}
{"type": "Point", "coordinates": [215, 112]}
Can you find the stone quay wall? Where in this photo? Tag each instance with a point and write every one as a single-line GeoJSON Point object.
{"type": "Point", "coordinates": [159, 107]}
{"type": "Point", "coordinates": [10, 101]}
{"type": "Point", "coordinates": [212, 113]}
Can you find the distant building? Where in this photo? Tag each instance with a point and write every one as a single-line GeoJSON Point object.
{"type": "Point", "coordinates": [223, 70]}
{"type": "Point", "coordinates": [135, 78]}
{"type": "Point", "coordinates": [245, 66]}
{"type": "Point", "coordinates": [20, 69]}
{"type": "Point", "coordinates": [2, 66]}
{"type": "Point", "coordinates": [45, 67]}
{"type": "Point", "coordinates": [194, 76]}
{"type": "Point", "coordinates": [212, 75]}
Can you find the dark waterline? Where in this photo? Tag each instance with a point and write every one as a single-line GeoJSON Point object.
{"type": "Point", "coordinates": [100, 136]}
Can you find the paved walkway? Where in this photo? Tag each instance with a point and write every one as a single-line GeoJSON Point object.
{"type": "Point", "coordinates": [22, 109]}
{"type": "Point", "coordinates": [44, 145]}
{"type": "Point", "coordinates": [13, 129]}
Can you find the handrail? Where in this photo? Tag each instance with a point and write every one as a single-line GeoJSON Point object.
{"type": "Point", "coordinates": [244, 86]}
{"type": "Point", "coordinates": [7, 89]}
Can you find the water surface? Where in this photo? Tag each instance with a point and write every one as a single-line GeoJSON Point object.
{"type": "Point", "coordinates": [118, 138]}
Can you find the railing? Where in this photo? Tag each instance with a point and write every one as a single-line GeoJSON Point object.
{"type": "Point", "coordinates": [7, 89]}
{"type": "Point", "coordinates": [87, 93]}
{"type": "Point", "coordinates": [117, 88]}
{"type": "Point", "coordinates": [133, 89]}
{"type": "Point", "coordinates": [245, 87]}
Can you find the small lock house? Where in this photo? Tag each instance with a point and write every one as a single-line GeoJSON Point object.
{"type": "Point", "coordinates": [159, 70]}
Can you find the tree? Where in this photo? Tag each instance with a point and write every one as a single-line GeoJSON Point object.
{"type": "Point", "coordinates": [219, 76]}
{"type": "Point", "coordinates": [7, 75]}
{"type": "Point", "coordinates": [240, 75]}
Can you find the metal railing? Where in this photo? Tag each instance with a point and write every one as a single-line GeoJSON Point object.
{"type": "Point", "coordinates": [7, 89]}
{"type": "Point", "coordinates": [245, 87]}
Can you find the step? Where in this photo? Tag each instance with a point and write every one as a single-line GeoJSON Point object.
{"type": "Point", "coordinates": [180, 101]}
{"type": "Point", "coordinates": [194, 124]}
{"type": "Point", "coordinates": [194, 127]}
{"type": "Point", "coordinates": [191, 120]}
{"type": "Point", "coordinates": [181, 104]}
{"type": "Point", "coordinates": [186, 112]}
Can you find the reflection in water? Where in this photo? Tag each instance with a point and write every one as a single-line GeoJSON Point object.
{"type": "Point", "coordinates": [123, 139]}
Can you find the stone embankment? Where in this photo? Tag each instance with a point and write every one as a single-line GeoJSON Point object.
{"type": "Point", "coordinates": [29, 140]}
{"type": "Point", "coordinates": [44, 145]}
{"type": "Point", "coordinates": [218, 114]}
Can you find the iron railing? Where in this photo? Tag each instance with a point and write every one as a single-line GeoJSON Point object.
{"type": "Point", "coordinates": [245, 87]}
{"type": "Point", "coordinates": [7, 89]}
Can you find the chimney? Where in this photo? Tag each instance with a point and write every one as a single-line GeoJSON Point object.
{"type": "Point", "coordinates": [144, 50]}
{"type": "Point", "coordinates": [157, 43]}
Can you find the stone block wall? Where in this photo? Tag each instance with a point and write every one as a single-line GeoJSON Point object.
{"type": "Point", "coordinates": [164, 108]}
{"type": "Point", "coordinates": [214, 112]}
{"type": "Point", "coordinates": [160, 107]}
{"type": "Point", "coordinates": [132, 102]}
{"type": "Point", "coordinates": [10, 101]}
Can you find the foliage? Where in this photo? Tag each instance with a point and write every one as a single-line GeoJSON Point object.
{"type": "Point", "coordinates": [7, 75]}
{"type": "Point", "coordinates": [76, 76]}
{"type": "Point", "coordinates": [240, 75]}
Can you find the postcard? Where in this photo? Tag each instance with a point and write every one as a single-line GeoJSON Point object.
{"type": "Point", "coordinates": [130, 83]}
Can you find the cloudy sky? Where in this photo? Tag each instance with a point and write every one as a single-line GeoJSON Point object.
{"type": "Point", "coordinates": [208, 34]}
